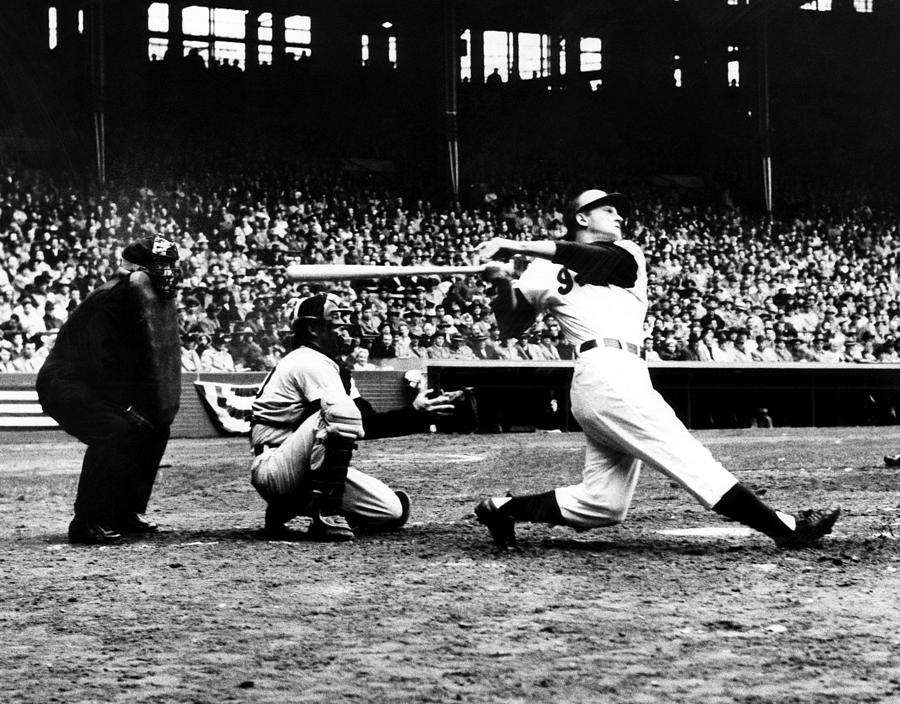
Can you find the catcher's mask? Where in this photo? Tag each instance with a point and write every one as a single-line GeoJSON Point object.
{"type": "Point", "coordinates": [326, 314]}
{"type": "Point", "coordinates": [588, 200]}
{"type": "Point", "coordinates": [159, 258]}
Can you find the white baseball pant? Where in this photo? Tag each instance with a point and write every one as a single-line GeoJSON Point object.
{"type": "Point", "coordinates": [627, 423]}
{"type": "Point", "coordinates": [283, 472]}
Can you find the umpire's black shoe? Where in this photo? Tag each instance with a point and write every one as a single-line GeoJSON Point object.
{"type": "Point", "coordinates": [892, 460]}
{"type": "Point", "coordinates": [134, 524]}
{"type": "Point", "coordinates": [83, 531]}
{"type": "Point", "coordinates": [501, 526]}
{"type": "Point", "coordinates": [812, 526]}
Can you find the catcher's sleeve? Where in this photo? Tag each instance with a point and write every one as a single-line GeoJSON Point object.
{"type": "Point", "coordinates": [389, 424]}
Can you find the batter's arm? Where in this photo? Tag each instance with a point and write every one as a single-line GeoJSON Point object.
{"type": "Point", "coordinates": [599, 263]}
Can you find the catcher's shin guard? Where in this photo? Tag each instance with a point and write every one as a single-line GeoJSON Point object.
{"type": "Point", "coordinates": [329, 474]}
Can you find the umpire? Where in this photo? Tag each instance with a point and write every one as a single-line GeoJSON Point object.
{"type": "Point", "coordinates": [113, 380]}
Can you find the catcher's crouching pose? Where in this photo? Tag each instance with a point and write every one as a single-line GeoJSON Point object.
{"type": "Point", "coordinates": [306, 420]}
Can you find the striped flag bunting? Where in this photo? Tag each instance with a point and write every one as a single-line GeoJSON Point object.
{"type": "Point", "coordinates": [20, 410]}
{"type": "Point", "coordinates": [229, 405]}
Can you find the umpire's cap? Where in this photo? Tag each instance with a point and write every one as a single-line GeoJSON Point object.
{"type": "Point", "coordinates": [591, 199]}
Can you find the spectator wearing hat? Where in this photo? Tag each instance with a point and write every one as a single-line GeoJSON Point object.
{"type": "Point", "coordinates": [460, 348]}
{"type": "Point", "coordinates": [190, 358]}
{"type": "Point", "coordinates": [217, 358]}
{"type": "Point", "coordinates": [383, 346]}
{"type": "Point", "coordinates": [438, 347]}
{"type": "Point", "coordinates": [480, 349]}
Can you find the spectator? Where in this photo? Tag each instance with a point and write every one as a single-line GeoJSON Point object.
{"type": "Point", "coordinates": [190, 359]}
{"type": "Point", "coordinates": [438, 349]}
{"type": "Point", "coordinates": [28, 361]}
{"type": "Point", "coordinates": [217, 358]}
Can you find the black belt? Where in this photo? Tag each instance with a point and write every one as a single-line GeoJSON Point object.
{"type": "Point", "coordinates": [262, 447]}
{"type": "Point", "coordinates": [610, 342]}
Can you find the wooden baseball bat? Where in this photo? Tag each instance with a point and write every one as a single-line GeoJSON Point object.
{"type": "Point", "coordinates": [342, 272]}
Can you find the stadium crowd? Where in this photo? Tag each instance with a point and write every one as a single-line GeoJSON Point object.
{"type": "Point", "coordinates": [817, 285]}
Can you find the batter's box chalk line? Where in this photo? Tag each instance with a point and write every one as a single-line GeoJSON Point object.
{"type": "Point", "coordinates": [711, 532]}
{"type": "Point", "coordinates": [423, 458]}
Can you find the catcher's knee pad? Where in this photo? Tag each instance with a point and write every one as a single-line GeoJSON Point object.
{"type": "Point", "coordinates": [341, 417]}
{"type": "Point", "coordinates": [329, 462]}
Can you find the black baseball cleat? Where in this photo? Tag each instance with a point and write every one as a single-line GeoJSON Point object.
{"type": "Point", "coordinates": [330, 529]}
{"type": "Point", "coordinates": [501, 526]}
{"type": "Point", "coordinates": [84, 531]}
{"type": "Point", "coordinates": [812, 526]}
{"type": "Point", "coordinates": [404, 509]}
{"type": "Point", "coordinates": [892, 460]}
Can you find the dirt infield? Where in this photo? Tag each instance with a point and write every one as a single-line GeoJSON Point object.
{"type": "Point", "coordinates": [672, 606]}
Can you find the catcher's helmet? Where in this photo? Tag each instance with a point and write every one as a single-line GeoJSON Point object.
{"type": "Point", "coordinates": [322, 306]}
{"type": "Point", "coordinates": [588, 199]}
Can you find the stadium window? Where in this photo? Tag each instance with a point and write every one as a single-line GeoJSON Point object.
{"type": "Point", "coordinates": [392, 51]}
{"type": "Point", "coordinates": [496, 54]}
{"type": "Point", "coordinates": [297, 30]}
{"type": "Point", "coordinates": [820, 5]}
{"type": "Point", "coordinates": [157, 48]}
{"type": "Point", "coordinates": [195, 21]}
{"type": "Point", "coordinates": [264, 27]}
{"type": "Point", "coordinates": [533, 55]}
{"type": "Point", "coordinates": [676, 73]}
{"type": "Point", "coordinates": [51, 27]}
{"type": "Point", "coordinates": [228, 24]}
{"type": "Point", "coordinates": [298, 35]}
{"type": "Point", "coordinates": [81, 21]}
{"type": "Point", "coordinates": [158, 17]}
{"type": "Point", "coordinates": [591, 54]}
{"type": "Point", "coordinates": [734, 67]}
{"type": "Point", "coordinates": [465, 55]}
{"type": "Point", "coordinates": [364, 41]}
{"type": "Point", "coordinates": [562, 57]}
{"type": "Point", "coordinates": [862, 5]}
{"type": "Point", "coordinates": [230, 52]}
{"type": "Point", "coordinates": [264, 54]}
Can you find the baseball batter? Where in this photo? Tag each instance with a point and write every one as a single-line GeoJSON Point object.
{"type": "Point", "coordinates": [306, 420]}
{"type": "Point", "coordinates": [595, 284]}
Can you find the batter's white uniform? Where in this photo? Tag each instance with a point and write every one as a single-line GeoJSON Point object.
{"type": "Point", "coordinates": [625, 420]}
{"type": "Point", "coordinates": [290, 434]}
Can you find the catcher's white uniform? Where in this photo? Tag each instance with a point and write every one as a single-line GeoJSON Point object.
{"type": "Point", "coordinates": [625, 420]}
{"type": "Point", "coordinates": [301, 402]}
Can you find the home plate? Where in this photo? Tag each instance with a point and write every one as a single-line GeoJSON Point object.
{"type": "Point", "coordinates": [711, 532]}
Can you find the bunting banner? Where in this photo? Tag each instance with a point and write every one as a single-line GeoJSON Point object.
{"type": "Point", "coordinates": [229, 405]}
{"type": "Point", "coordinates": [20, 410]}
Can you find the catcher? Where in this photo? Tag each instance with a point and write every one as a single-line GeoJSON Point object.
{"type": "Point", "coordinates": [306, 421]}
{"type": "Point", "coordinates": [113, 380]}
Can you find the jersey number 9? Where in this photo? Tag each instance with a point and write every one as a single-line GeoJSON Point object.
{"type": "Point", "coordinates": [565, 278]}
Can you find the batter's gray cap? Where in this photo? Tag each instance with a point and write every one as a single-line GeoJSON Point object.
{"type": "Point", "coordinates": [591, 199]}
